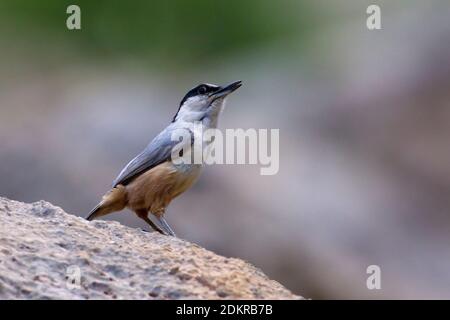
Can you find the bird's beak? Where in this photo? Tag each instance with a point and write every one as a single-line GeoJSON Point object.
{"type": "Point", "coordinates": [224, 91]}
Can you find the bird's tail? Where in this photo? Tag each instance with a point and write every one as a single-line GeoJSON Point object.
{"type": "Point", "coordinates": [114, 200]}
{"type": "Point", "coordinates": [96, 212]}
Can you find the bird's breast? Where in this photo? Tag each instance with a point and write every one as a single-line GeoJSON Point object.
{"type": "Point", "coordinates": [154, 189]}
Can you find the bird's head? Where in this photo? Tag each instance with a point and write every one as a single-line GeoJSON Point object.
{"type": "Point", "coordinates": [205, 100]}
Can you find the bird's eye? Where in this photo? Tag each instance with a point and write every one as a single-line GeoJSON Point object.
{"type": "Point", "coordinates": [202, 90]}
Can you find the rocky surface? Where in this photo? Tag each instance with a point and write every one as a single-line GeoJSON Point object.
{"type": "Point", "coordinates": [46, 253]}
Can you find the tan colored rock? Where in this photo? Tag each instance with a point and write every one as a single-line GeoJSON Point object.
{"type": "Point", "coordinates": [43, 250]}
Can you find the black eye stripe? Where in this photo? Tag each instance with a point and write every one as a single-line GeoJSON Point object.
{"type": "Point", "coordinates": [195, 92]}
{"type": "Point", "coordinates": [200, 89]}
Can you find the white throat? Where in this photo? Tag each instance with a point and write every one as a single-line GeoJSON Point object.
{"type": "Point", "coordinates": [193, 111]}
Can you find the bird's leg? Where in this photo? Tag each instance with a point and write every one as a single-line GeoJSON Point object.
{"type": "Point", "coordinates": [143, 214]}
{"type": "Point", "coordinates": [153, 225]}
{"type": "Point", "coordinates": [165, 225]}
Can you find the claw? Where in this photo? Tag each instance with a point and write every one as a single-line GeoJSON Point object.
{"type": "Point", "coordinates": [165, 226]}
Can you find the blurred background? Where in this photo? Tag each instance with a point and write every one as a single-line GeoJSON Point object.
{"type": "Point", "coordinates": [364, 119]}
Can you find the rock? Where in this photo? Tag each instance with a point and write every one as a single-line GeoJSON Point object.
{"type": "Point", "coordinates": [46, 253]}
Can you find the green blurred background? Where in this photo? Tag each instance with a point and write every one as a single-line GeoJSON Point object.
{"type": "Point", "coordinates": [178, 34]}
{"type": "Point", "coordinates": [364, 119]}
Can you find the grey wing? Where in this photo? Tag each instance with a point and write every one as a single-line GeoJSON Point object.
{"type": "Point", "coordinates": [157, 152]}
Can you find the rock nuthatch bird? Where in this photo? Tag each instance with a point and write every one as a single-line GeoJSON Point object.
{"type": "Point", "coordinates": [150, 181]}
